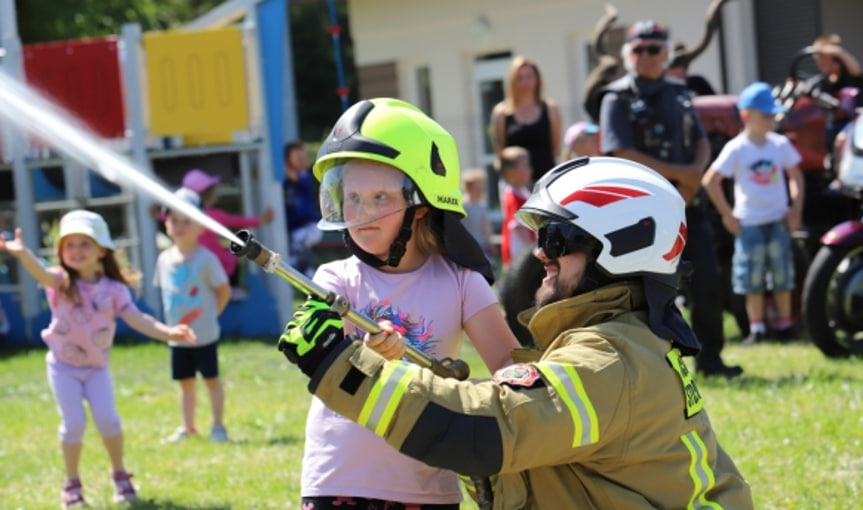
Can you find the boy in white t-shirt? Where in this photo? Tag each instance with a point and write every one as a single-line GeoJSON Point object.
{"type": "Point", "coordinates": [765, 210]}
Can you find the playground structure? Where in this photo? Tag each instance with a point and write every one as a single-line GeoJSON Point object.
{"type": "Point", "coordinates": [216, 95]}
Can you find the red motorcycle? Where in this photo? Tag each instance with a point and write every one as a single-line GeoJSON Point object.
{"type": "Point", "coordinates": [833, 291]}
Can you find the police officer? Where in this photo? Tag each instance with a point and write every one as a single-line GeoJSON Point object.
{"type": "Point", "coordinates": [649, 119]}
{"type": "Point", "coordinates": [606, 414]}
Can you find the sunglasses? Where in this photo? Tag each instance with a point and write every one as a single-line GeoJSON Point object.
{"type": "Point", "coordinates": [557, 239]}
{"type": "Point", "coordinates": [652, 49]}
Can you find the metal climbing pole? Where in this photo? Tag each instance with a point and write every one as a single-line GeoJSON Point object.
{"type": "Point", "coordinates": [335, 31]}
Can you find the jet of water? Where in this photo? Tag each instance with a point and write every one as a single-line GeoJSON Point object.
{"type": "Point", "coordinates": [32, 112]}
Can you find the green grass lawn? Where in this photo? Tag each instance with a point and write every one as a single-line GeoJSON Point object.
{"type": "Point", "coordinates": [793, 423]}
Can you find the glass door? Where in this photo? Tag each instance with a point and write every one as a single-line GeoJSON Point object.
{"type": "Point", "coordinates": [489, 79]}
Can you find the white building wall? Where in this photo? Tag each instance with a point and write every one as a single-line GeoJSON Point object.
{"type": "Point", "coordinates": [447, 35]}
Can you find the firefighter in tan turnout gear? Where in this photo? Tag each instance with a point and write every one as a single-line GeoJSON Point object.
{"type": "Point", "coordinates": [606, 413]}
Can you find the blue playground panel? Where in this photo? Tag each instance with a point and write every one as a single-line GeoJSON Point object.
{"type": "Point", "coordinates": [45, 190]}
{"type": "Point", "coordinates": [255, 316]}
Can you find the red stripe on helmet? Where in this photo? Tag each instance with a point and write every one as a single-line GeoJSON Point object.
{"type": "Point", "coordinates": [599, 196]}
{"type": "Point", "coordinates": [679, 243]}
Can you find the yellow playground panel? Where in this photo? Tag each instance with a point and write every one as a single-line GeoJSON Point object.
{"type": "Point", "coordinates": [197, 84]}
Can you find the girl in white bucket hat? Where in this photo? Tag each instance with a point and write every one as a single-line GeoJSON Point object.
{"type": "Point", "coordinates": [86, 293]}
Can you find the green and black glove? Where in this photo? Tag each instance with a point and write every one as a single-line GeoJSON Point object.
{"type": "Point", "coordinates": [313, 332]}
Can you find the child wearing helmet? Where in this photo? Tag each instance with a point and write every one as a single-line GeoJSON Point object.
{"type": "Point", "coordinates": [607, 413]}
{"type": "Point", "coordinates": [390, 183]}
{"type": "Point", "coordinates": [87, 291]}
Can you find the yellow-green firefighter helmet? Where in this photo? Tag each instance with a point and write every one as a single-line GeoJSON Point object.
{"type": "Point", "coordinates": [397, 133]}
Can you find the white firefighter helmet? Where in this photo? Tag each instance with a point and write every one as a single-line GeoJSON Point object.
{"type": "Point", "coordinates": [636, 214]}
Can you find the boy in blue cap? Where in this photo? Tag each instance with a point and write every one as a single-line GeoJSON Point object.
{"type": "Point", "coordinates": [765, 210]}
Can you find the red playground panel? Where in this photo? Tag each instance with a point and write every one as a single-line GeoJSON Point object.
{"type": "Point", "coordinates": [82, 76]}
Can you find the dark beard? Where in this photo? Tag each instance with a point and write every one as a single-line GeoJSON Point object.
{"type": "Point", "coordinates": [557, 290]}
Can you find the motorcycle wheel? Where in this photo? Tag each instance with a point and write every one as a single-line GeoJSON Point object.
{"type": "Point", "coordinates": [518, 290]}
{"type": "Point", "coordinates": [832, 300]}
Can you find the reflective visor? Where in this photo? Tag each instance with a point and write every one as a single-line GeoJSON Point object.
{"type": "Point", "coordinates": [359, 192]}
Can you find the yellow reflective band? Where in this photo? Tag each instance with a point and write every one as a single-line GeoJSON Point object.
{"type": "Point", "coordinates": [385, 395]}
{"type": "Point", "coordinates": [566, 382]}
{"type": "Point", "coordinates": [699, 469]}
{"type": "Point", "coordinates": [691, 396]}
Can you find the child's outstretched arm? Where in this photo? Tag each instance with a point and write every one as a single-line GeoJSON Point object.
{"type": "Point", "coordinates": [148, 325]}
{"type": "Point", "coordinates": [31, 263]}
{"type": "Point", "coordinates": [234, 221]}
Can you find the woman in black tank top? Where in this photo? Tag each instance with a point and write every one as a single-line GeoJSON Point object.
{"type": "Point", "coordinates": [527, 120]}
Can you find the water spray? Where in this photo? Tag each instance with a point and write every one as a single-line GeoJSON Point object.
{"type": "Point", "coordinates": [33, 113]}
{"type": "Point", "coordinates": [271, 262]}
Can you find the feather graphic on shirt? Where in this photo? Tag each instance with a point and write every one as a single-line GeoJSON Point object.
{"type": "Point", "coordinates": [416, 332]}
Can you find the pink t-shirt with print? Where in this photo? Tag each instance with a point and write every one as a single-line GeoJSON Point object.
{"type": "Point", "coordinates": [428, 307]}
{"type": "Point", "coordinates": [82, 331]}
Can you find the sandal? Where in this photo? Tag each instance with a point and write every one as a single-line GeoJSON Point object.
{"type": "Point", "coordinates": [124, 490]}
{"type": "Point", "coordinates": [72, 495]}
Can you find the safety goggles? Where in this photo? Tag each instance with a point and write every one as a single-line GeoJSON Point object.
{"type": "Point", "coordinates": [650, 49]}
{"type": "Point", "coordinates": [557, 238]}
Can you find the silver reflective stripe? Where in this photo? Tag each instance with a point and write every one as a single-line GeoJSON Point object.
{"type": "Point", "coordinates": [699, 469]}
{"type": "Point", "coordinates": [387, 392]}
{"type": "Point", "coordinates": [566, 382]}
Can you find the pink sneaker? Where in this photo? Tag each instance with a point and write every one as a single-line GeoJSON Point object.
{"type": "Point", "coordinates": [123, 488]}
{"type": "Point", "coordinates": [72, 495]}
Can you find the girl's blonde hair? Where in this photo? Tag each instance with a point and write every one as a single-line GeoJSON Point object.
{"type": "Point", "coordinates": [517, 63]}
{"type": "Point", "coordinates": [425, 238]}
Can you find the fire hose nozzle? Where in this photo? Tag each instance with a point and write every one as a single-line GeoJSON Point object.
{"type": "Point", "coordinates": [270, 261]}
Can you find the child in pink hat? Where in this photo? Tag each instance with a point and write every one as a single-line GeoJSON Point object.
{"type": "Point", "coordinates": [206, 186]}
{"type": "Point", "coordinates": [579, 140]}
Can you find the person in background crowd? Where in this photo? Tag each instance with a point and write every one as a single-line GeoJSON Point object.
{"type": "Point", "coordinates": [478, 220]}
{"type": "Point", "coordinates": [301, 208]}
{"type": "Point", "coordinates": [649, 119]}
{"type": "Point", "coordinates": [579, 140]}
{"type": "Point", "coordinates": [195, 291]}
{"type": "Point", "coordinates": [87, 292]}
{"type": "Point", "coordinates": [762, 163]}
{"type": "Point", "coordinates": [525, 118]}
{"type": "Point", "coordinates": [838, 69]}
{"type": "Point", "coordinates": [206, 186]}
{"type": "Point", "coordinates": [514, 169]}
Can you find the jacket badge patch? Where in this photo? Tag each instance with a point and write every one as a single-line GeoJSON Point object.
{"type": "Point", "coordinates": [520, 374]}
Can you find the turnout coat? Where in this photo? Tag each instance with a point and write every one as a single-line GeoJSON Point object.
{"type": "Point", "coordinates": [606, 416]}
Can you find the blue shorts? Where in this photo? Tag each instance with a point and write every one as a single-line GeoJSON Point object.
{"type": "Point", "coordinates": [186, 361]}
{"type": "Point", "coordinates": [762, 259]}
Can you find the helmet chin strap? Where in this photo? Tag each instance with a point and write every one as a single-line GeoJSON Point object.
{"type": "Point", "coordinates": [593, 277]}
{"type": "Point", "coordinates": [397, 248]}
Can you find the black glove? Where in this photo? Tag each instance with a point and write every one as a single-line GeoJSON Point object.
{"type": "Point", "coordinates": [312, 333]}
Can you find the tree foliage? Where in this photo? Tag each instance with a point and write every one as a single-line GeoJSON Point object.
{"type": "Point", "coordinates": [315, 73]}
{"type": "Point", "coordinates": [50, 20]}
